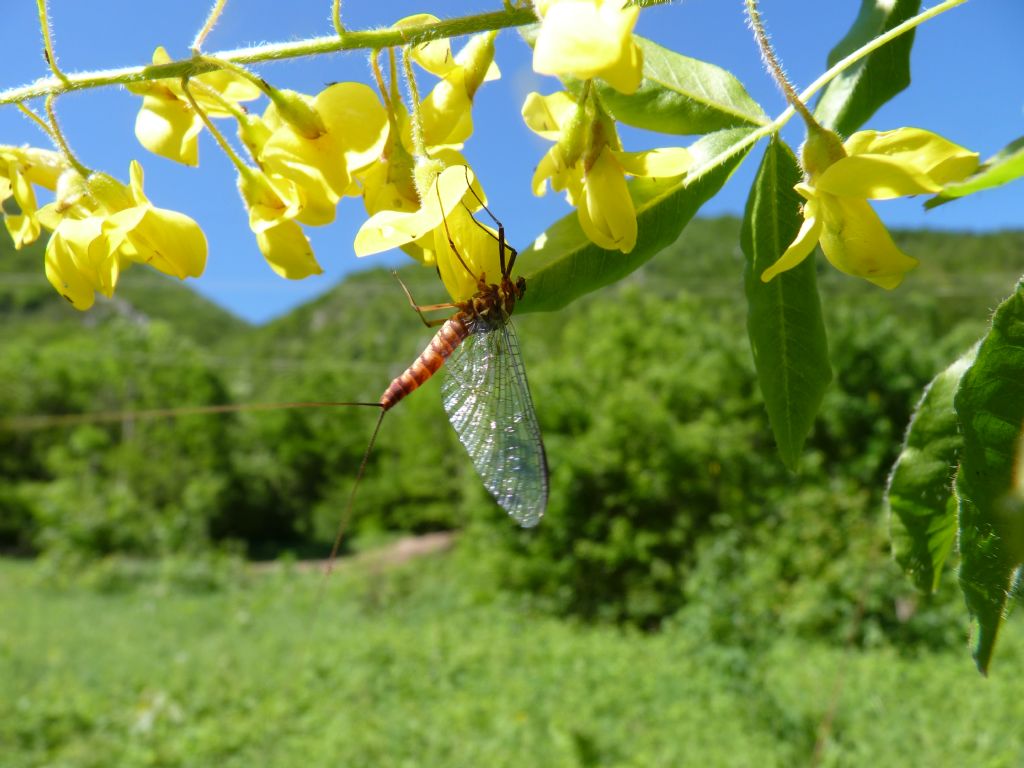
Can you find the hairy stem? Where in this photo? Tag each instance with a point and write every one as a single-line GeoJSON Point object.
{"type": "Point", "coordinates": [415, 115]}
{"type": "Point", "coordinates": [62, 143]}
{"type": "Point", "coordinates": [336, 18]}
{"type": "Point", "coordinates": [222, 142]}
{"type": "Point", "coordinates": [774, 66]}
{"type": "Point", "coordinates": [349, 41]}
{"type": "Point", "coordinates": [44, 27]}
{"type": "Point", "coordinates": [211, 21]}
{"type": "Point", "coordinates": [40, 123]}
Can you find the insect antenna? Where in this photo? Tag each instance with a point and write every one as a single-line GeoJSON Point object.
{"type": "Point", "coordinates": [52, 420]}
{"type": "Point", "coordinates": [346, 516]}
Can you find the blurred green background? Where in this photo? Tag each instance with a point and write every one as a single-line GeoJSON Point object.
{"type": "Point", "coordinates": [686, 600]}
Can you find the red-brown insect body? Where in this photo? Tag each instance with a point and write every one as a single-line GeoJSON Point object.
{"type": "Point", "coordinates": [492, 303]}
{"type": "Point", "coordinates": [447, 338]}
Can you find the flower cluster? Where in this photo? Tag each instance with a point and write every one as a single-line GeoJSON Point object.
{"type": "Point", "coordinates": [100, 225]}
{"type": "Point", "coordinates": [842, 177]}
{"type": "Point", "coordinates": [303, 153]}
{"type": "Point", "coordinates": [421, 194]}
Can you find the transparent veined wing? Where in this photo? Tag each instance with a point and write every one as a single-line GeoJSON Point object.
{"type": "Point", "coordinates": [488, 403]}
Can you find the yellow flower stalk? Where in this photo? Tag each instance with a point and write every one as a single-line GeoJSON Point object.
{"type": "Point", "coordinates": [167, 124]}
{"type": "Point", "coordinates": [589, 164]}
{"type": "Point", "coordinates": [587, 39]}
{"type": "Point", "coordinates": [869, 166]}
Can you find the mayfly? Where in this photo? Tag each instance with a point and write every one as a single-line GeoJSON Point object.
{"type": "Point", "coordinates": [485, 392]}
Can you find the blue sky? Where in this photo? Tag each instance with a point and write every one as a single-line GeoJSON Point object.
{"type": "Point", "coordinates": [968, 72]}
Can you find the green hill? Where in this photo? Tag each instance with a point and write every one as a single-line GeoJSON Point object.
{"type": "Point", "coordinates": [30, 306]}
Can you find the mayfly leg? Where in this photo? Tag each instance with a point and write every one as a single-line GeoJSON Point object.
{"type": "Point", "coordinates": [506, 270]}
{"type": "Point", "coordinates": [421, 308]}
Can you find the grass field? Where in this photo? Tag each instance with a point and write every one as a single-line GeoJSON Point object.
{"type": "Point", "coordinates": [414, 666]}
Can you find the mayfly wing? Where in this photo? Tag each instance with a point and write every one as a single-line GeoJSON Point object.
{"type": "Point", "coordinates": [488, 403]}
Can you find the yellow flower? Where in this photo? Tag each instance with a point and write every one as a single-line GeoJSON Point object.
{"type": "Point", "coordinates": [445, 212]}
{"type": "Point", "coordinates": [104, 227]}
{"type": "Point", "coordinates": [876, 166]}
{"type": "Point", "coordinates": [20, 168]}
{"type": "Point", "coordinates": [587, 161]}
{"type": "Point", "coordinates": [273, 204]}
{"type": "Point", "coordinates": [446, 112]}
{"type": "Point", "coordinates": [390, 185]}
{"type": "Point", "coordinates": [589, 38]}
{"type": "Point", "coordinates": [351, 129]}
{"type": "Point", "coordinates": [167, 125]}
{"type": "Point", "coordinates": [288, 251]}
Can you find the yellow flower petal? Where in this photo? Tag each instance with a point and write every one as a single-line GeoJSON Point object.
{"type": "Point", "coordinates": [169, 128]}
{"type": "Point", "coordinates": [922, 151]}
{"type": "Point", "coordinates": [548, 115]}
{"type": "Point", "coordinates": [475, 255]}
{"type": "Point", "coordinates": [353, 112]}
{"type": "Point", "coordinates": [391, 229]}
{"type": "Point", "coordinates": [627, 73]}
{"type": "Point", "coordinates": [166, 240]}
{"type": "Point", "coordinates": [23, 229]}
{"type": "Point", "coordinates": [270, 200]}
{"type": "Point", "coordinates": [356, 130]}
{"type": "Point", "coordinates": [854, 239]}
{"type": "Point", "coordinates": [802, 245]}
{"type": "Point", "coordinates": [446, 115]}
{"type": "Point", "coordinates": [589, 38]}
{"type": "Point", "coordinates": [547, 168]}
{"type": "Point", "coordinates": [670, 161]}
{"type": "Point", "coordinates": [287, 250]}
{"type": "Point", "coordinates": [907, 161]}
{"type": "Point", "coordinates": [434, 56]}
{"type": "Point", "coordinates": [41, 167]}
{"type": "Point", "coordinates": [79, 261]}
{"type": "Point", "coordinates": [64, 276]}
{"type": "Point", "coordinates": [606, 210]}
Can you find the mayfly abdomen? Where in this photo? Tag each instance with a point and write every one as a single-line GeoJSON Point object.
{"type": "Point", "coordinates": [447, 338]}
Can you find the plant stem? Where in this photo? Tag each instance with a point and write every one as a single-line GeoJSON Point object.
{"type": "Point", "coordinates": [40, 123]}
{"type": "Point", "coordinates": [336, 18]}
{"type": "Point", "coordinates": [350, 41]}
{"type": "Point", "coordinates": [58, 138]}
{"type": "Point", "coordinates": [418, 142]}
{"type": "Point", "coordinates": [211, 21]}
{"type": "Point", "coordinates": [774, 66]}
{"type": "Point", "coordinates": [216, 63]}
{"type": "Point", "coordinates": [238, 162]}
{"type": "Point", "coordinates": [44, 27]}
{"type": "Point", "coordinates": [378, 78]}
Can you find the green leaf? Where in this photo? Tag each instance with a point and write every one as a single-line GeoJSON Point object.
{"type": "Point", "coordinates": [857, 93]}
{"type": "Point", "coordinates": [562, 264]}
{"type": "Point", "coordinates": [784, 322]}
{"type": "Point", "coordinates": [919, 496]}
{"type": "Point", "coordinates": [990, 408]}
{"type": "Point", "coordinates": [680, 95]}
{"type": "Point", "coordinates": [1004, 166]}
